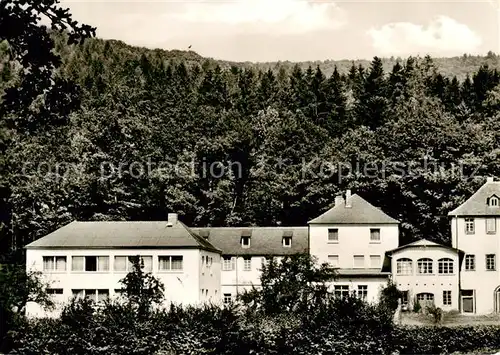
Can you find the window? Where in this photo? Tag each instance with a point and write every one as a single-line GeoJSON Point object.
{"type": "Point", "coordinates": [333, 260]}
{"type": "Point", "coordinates": [363, 292]}
{"type": "Point", "coordinates": [245, 242]}
{"type": "Point", "coordinates": [54, 263]}
{"type": "Point", "coordinates": [446, 298]}
{"type": "Point", "coordinates": [375, 261]}
{"type": "Point", "coordinates": [425, 297]}
{"type": "Point", "coordinates": [202, 260]}
{"type": "Point", "coordinates": [470, 262]}
{"type": "Point", "coordinates": [54, 291]}
{"type": "Point", "coordinates": [491, 225]}
{"type": "Point", "coordinates": [333, 235]}
{"type": "Point", "coordinates": [424, 266]}
{"type": "Point", "coordinates": [494, 201]}
{"type": "Point", "coordinates": [79, 294]}
{"type": "Point", "coordinates": [92, 294]}
{"type": "Point", "coordinates": [228, 263]}
{"type": "Point", "coordinates": [375, 235]}
{"type": "Point", "coordinates": [469, 226]}
{"type": "Point", "coordinates": [359, 261]}
{"type": "Point", "coordinates": [170, 262]}
{"type": "Point", "coordinates": [404, 266]}
{"type": "Point", "coordinates": [227, 298]}
{"type": "Point", "coordinates": [490, 262]}
{"type": "Point", "coordinates": [445, 266]}
{"type": "Point", "coordinates": [287, 242]}
{"type": "Point", "coordinates": [341, 291]}
{"type": "Point", "coordinates": [90, 263]}
{"type": "Point", "coordinates": [125, 263]}
{"type": "Point", "coordinates": [247, 263]}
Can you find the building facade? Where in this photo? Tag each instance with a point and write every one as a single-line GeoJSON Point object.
{"type": "Point", "coordinates": [87, 259]}
{"type": "Point", "coordinates": [475, 229]}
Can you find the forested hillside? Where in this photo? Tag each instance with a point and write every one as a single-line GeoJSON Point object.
{"type": "Point", "coordinates": [413, 137]}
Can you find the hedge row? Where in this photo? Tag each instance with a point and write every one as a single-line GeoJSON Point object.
{"type": "Point", "coordinates": [343, 328]}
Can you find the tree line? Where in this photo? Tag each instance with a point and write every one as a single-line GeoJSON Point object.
{"type": "Point", "coordinates": [115, 132]}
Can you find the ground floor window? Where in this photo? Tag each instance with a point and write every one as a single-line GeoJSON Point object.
{"type": "Point", "coordinates": [92, 294]}
{"type": "Point", "coordinates": [227, 298]}
{"type": "Point", "coordinates": [446, 298]}
{"type": "Point", "coordinates": [341, 291]}
{"type": "Point", "coordinates": [425, 296]}
{"type": "Point", "coordinates": [363, 292]}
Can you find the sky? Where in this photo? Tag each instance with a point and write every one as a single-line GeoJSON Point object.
{"type": "Point", "coordinates": [298, 30]}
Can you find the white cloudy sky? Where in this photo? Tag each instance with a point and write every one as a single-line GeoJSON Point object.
{"type": "Point", "coordinates": [270, 30]}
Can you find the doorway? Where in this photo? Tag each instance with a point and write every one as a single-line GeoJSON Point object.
{"type": "Point", "coordinates": [467, 298]}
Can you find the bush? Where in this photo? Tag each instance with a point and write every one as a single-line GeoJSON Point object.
{"type": "Point", "coordinates": [339, 326]}
{"type": "Point", "coordinates": [439, 340]}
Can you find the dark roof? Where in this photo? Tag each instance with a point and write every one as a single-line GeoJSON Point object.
{"type": "Point", "coordinates": [104, 235]}
{"type": "Point", "coordinates": [362, 272]}
{"type": "Point", "coordinates": [476, 205]}
{"type": "Point", "coordinates": [263, 240]}
{"type": "Point", "coordinates": [360, 212]}
{"type": "Point", "coordinates": [423, 244]}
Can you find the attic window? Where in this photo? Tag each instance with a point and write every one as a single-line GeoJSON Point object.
{"type": "Point", "coordinates": [245, 238]}
{"type": "Point", "coordinates": [287, 239]}
{"type": "Point", "coordinates": [287, 242]}
{"type": "Point", "coordinates": [493, 201]}
{"type": "Point", "coordinates": [245, 242]}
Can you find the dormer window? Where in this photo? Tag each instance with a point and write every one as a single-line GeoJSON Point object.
{"type": "Point", "coordinates": [245, 242]}
{"type": "Point", "coordinates": [287, 242]}
{"type": "Point", "coordinates": [493, 201]}
{"type": "Point", "coordinates": [245, 239]}
{"type": "Point", "coordinates": [287, 239]}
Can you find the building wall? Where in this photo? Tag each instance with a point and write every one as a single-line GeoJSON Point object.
{"type": "Point", "coordinates": [181, 287]}
{"type": "Point", "coordinates": [352, 240]}
{"type": "Point", "coordinates": [236, 281]}
{"type": "Point", "coordinates": [374, 285]}
{"type": "Point", "coordinates": [428, 283]}
{"type": "Point", "coordinates": [210, 276]}
{"type": "Point", "coordinates": [483, 282]}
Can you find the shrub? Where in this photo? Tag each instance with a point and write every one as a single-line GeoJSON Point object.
{"type": "Point", "coordinates": [416, 306]}
{"type": "Point", "coordinates": [436, 313]}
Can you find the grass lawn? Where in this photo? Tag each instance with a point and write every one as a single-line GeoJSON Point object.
{"type": "Point", "coordinates": [450, 319]}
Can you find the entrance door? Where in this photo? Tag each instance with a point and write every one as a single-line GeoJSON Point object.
{"type": "Point", "coordinates": [467, 301]}
{"type": "Point", "coordinates": [497, 300]}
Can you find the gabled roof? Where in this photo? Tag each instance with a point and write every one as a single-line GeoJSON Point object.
{"type": "Point", "coordinates": [263, 240]}
{"type": "Point", "coordinates": [360, 212]}
{"type": "Point", "coordinates": [123, 235]}
{"type": "Point", "coordinates": [422, 243]}
{"type": "Point", "coordinates": [476, 205]}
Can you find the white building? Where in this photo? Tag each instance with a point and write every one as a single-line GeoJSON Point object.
{"type": "Point", "coordinates": [427, 272]}
{"type": "Point", "coordinates": [475, 228]}
{"type": "Point", "coordinates": [245, 249]}
{"type": "Point", "coordinates": [90, 258]}
{"type": "Point", "coordinates": [214, 264]}
{"type": "Point", "coordinates": [354, 236]}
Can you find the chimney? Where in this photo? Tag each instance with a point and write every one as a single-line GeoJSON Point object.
{"type": "Point", "coordinates": [339, 200]}
{"type": "Point", "coordinates": [172, 219]}
{"type": "Point", "coordinates": [490, 179]}
{"type": "Point", "coordinates": [348, 199]}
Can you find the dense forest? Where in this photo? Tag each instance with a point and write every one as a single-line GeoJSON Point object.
{"type": "Point", "coordinates": [147, 132]}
